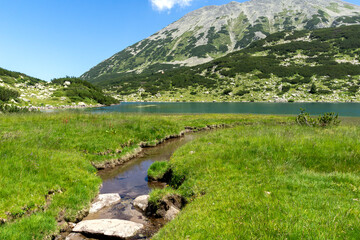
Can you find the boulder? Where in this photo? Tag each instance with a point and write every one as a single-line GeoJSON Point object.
{"type": "Point", "coordinates": [142, 202]}
{"type": "Point", "coordinates": [104, 200]}
{"type": "Point", "coordinates": [171, 213]}
{"type": "Point", "coordinates": [109, 228]}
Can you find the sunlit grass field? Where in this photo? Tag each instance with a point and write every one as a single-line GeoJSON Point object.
{"type": "Point", "coordinates": [268, 182]}
{"type": "Point", "coordinates": [46, 171]}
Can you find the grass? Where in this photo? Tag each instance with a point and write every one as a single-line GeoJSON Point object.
{"type": "Point", "coordinates": [158, 170]}
{"type": "Point", "coordinates": [268, 182]}
{"type": "Point", "coordinates": [46, 171]}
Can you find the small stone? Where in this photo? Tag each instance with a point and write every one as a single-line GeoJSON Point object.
{"type": "Point", "coordinates": [75, 236]}
{"type": "Point", "coordinates": [142, 202]}
{"type": "Point", "coordinates": [72, 225]}
{"type": "Point", "coordinates": [171, 213]}
{"type": "Point", "coordinates": [104, 200]}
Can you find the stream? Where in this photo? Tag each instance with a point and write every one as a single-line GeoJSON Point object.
{"type": "Point", "coordinates": [130, 181]}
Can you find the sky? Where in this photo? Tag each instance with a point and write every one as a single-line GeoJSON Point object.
{"type": "Point", "coordinates": [56, 38]}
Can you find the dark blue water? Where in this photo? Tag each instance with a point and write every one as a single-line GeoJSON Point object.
{"type": "Point", "coordinates": [343, 109]}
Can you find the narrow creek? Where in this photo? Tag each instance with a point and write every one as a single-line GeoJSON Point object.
{"type": "Point", "coordinates": [130, 181]}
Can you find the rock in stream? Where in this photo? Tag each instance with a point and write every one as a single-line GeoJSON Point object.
{"type": "Point", "coordinates": [109, 227]}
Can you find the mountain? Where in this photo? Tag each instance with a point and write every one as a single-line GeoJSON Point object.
{"type": "Point", "coordinates": [306, 65]}
{"type": "Point", "coordinates": [214, 31]}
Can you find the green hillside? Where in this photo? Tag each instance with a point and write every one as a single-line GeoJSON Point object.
{"type": "Point", "coordinates": [318, 65]}
{"type": "Point", "coordinates": [18, 92]}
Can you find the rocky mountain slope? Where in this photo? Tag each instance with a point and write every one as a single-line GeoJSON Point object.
{"type": "Point", "coordinates": [316, 65]}
{"type": "Point", "coordinates": [214, 31]}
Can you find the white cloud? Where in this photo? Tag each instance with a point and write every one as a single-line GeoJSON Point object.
{"type": "Point", "coordinates": [169, 4]}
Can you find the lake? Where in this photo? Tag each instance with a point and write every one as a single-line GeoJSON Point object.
{"type": "Point", "coordinates": [344, 109]}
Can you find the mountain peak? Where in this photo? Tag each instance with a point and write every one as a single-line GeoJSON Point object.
{"type": "Point", "coordinates": [213, 31]}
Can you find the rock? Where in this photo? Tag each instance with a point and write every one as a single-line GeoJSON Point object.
{"type": "Point", "coordinates": [104, 200]}
{"type": "Point", "coordinates": [76, 236]}
{"type": "Point", "coordinates": [171, 213]}
{"type": "Point", "coordinates": [2, 221]}
{"type": "Point", "coordinates": [109, 228]}
{"type": "Point", "coordinates": [167, 208]}
{"type": "Point", "coordinates": [81, 104]}
{"type": "Point", "coordinates": [142, 202]}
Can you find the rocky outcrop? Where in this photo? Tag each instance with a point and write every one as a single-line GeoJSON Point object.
{"type": "Point", "coordinates": [167, 208]}
{"type": "Point", "coordinates": [104, 200]}
{"type": "Point", "coordinates": [141, 202]}
{"type": "Point", "coordinates": [109, 228]}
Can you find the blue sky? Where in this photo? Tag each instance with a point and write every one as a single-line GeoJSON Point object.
{"type": "Point", "coordinates": [54, 38]}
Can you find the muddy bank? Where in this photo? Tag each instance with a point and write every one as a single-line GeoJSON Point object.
{"type": "Point", "coordinates": [143, 145]}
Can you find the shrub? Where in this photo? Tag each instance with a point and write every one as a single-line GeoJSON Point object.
{"type": "Point", "coordinates": [227, 91]}
{"type": "Point", "coordinates": [6, 94]}
{"type": "Point", "coordinates": [7, 108]}
{"type": "Point", "coordinates": [327, 119]}
{"type": "Point", "coordinates": [313, 89]}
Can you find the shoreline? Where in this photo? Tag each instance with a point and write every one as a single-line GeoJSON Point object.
{"type": "Point", "coordinates": [234, 102]}
{"type": "Point", "coordinates": [65, 107]}
{"type": "Point", "coordinates": [143, 145]}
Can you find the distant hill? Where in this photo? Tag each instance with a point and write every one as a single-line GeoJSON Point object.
{"type": "Point", "coordinates": [317, 65]}
{"type": "Point", "coordinates": [20, 90]}
{"type": "Point", "coordinates": [11, 78]}
{"type": "Point", "coordinates": [214, 31]}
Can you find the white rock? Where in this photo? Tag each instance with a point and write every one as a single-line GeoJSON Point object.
{"type": "Point", "coordinates": [104, 200]}
{"type": "Point", "coordinates": [142, 202]}
{"type": "Point", "coordinates": [67, 83]}
{"type": "Point", "coordinates": [109, 227]}
{"type": "Point", "coordinates": [81, 104]}
{"type": "Point", "coordinates": [171, 213]}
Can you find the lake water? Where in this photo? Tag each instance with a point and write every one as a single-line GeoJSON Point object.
{"type": "Point", "coordinates": [343, 109]}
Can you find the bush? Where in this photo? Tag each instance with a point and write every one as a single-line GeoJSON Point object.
{"type": "Point", "coordinates": [6, 94]}
{"type": "Point", "coordinates": [6, 108]}
{"type": "Point", "coordinates": [227, 91]}
{"type": "Point", "coordinates": [313, 89]}
{"type": "Point", "coordinates": [327, 119]}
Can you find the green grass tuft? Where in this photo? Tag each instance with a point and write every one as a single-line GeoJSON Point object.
{"type": "Point", "coordinates": [157, 170]}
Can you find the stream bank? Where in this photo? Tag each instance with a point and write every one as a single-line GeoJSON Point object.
{"type": "Point", "coordinates": [129, 180]}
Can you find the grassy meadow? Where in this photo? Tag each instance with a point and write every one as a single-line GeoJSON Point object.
{"type": "Point", "coordinates": [267, 182]}
{"type": "Point", "coordinates": [46, 171]}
